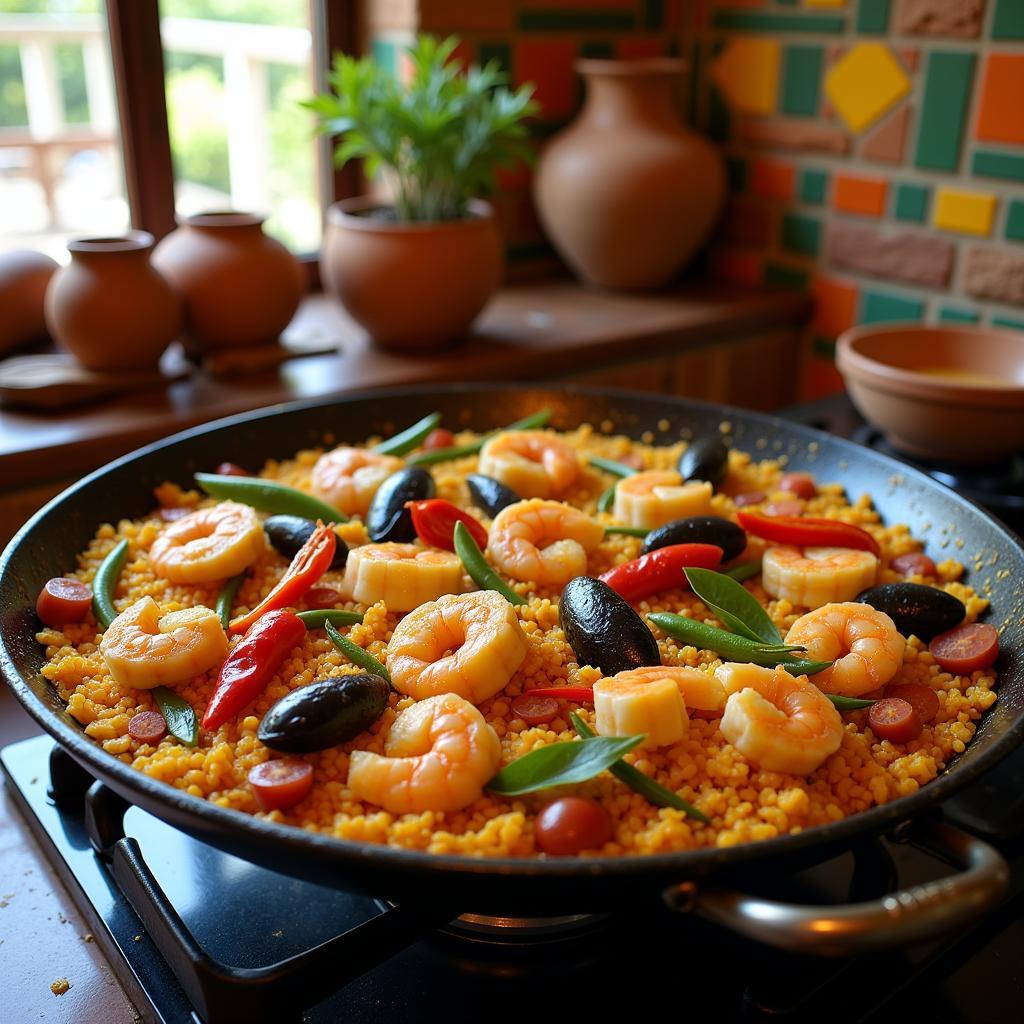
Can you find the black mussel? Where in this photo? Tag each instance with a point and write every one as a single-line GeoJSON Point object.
{"type": "Point", "coordinates": [603, 630]}
{"type": "Point", "coordinates": [324, 714]}
{"type": "Point", "coordinates": [289, 533]}
{"type": "Point", "coordinates": [916, 609]}
{"type": "Point", "coordinates": [388, 519]}
{"type": "Point", "coordinates": [699, 530]}
{"type": "Point", "coordinates": [707, 458]}
{"type": "Point", "coordinates": [489, 494]}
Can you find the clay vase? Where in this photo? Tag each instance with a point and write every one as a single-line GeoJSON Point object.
{"type": "Point", "coordinates": [237, 285]}
{"type": "Point", "coordinates": [109, 308]}
{"type": "Point", "coordinates": [416, 286]}
{"type": "Point", "coordinates": [24, 275]}
{"type": "Point", "coordinates": [627, 193]}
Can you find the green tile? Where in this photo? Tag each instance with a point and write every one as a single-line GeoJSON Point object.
{"type": "Point", "coordinates": [873, 17]}
{"type": "Point", "coordinates": [998, 165]}
{"type": "Point", "coordinates": [597, 50]}
{"type": "Point", "coordinates": [812, 186]}
{"type": "Point", "coordinates": [1015, 220]}
{"type": "Point", "coordinates": [385, 53]}
{"type": "Point", "coordinates": [948, 315]}
{"type": "Point", "coordinates": [946, 95]}
{"type": "Point", "coordinates": [801, 80]}
{"type": "Point", "coordinates": [1005, 321]}
{"type": "Point", "coordinates": [575, 21]}
{"type": "Point", "coordinates": [825, 347]}
{"type": "Point", "coordinates": [912, 203]}
{"type": "Point", "coordinates": [752, 21]}
{"type": "Point", "coordinates": [736, 171]}
{"type": "Point", "coordinates": [881, 307]}
{"type": "Point", "coordinates": [501, 52]}
{"type": "Point", "coordinates": [654, 14]}
{"type": "Point", "coordinates": [784, 277]}
{"type": "Point", "coordinates": [1008, 22]}
{"type": "Point", "coordinates": [719, 121]}
{"type": "Point", "coordinates": [801, 234]}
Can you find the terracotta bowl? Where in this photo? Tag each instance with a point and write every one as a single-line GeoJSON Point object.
{"type": "Point", "coordinates": [954, 394]}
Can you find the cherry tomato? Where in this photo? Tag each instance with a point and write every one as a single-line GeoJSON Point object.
{"type": "Point", "coordinates": [967, 648]}
{"type": "Point", "coordinates": [231, 469]}
{"type": "Point", "coordinates": [571, 824]}
{"type": "Point", "coordinates": [322, 597]}
{"type": "Point", "coordinates": [923, 699]}
{"type": "Point", "coordinates": [917, 563]}
{"type": "Point", "coordinates": [783, 508]}
{"type": "Point", "coordinates": [439, 438]}
{"type": "Point", "coordinates": [62, 601]}
{"type": "Point", "coordinates": [894, 719]}
{"type": "Point", "coordinates": [279, 785]}
{"type": "Point", "coordinates": [147, 727]}
{"type": "Point", "coordinates": [749, 498]}
{"type": "Point", "coordinates": [800, 484]}
{"type": "Point", "coordinates": [535, 708]}
{"type": "Point", "coordinates": [632, 460]}
{"type": "Point", "coordinates": [171, 515]}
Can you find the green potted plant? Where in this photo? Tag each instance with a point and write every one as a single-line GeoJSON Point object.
{"type": "Point", "coordinates": [416, 270]}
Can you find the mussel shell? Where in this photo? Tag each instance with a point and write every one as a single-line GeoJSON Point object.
{"type": "Point", "coordinates": [603, 630]}
{"type": "Point", "coordinates": [288, 533]}
{"type": "Point", "coordinates": [699, 530]}
{"type": "Point", "coordinates": [388, 519]}
{"type": "Point", "coordinates": [707, 458]}
{"type": "Point", "coordinates": [915, 608]}
{"type": "Point", "coordinates": [489, 494]}
{"type": "Point", "coordinates": [324, 714]}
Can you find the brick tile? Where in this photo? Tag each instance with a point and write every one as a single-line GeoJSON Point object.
{"type": "Point", "coordinates": [995, 274]}
{"type": "Point", "coordinates": [548, 64]}
{"type": "Point", "coordinates": [1001, 106]}
{"type": "Point", "coordinates": [772, 179]}
{"type": "Point", "coordinates": [948, 78]}
{"type": "Point", "coordinates": [958, 19]}
{"type": "Point", "coordinates": [835, 306]}
{"type": "Point", "coordinates": [894, 255]}
{"type": "Point", "coordinates": [795, 134]}
{"type": "Point", "coordinates": [886, 143]}
{"type": "Point", "coordinates": [865, 196]}
{"type": "Point", "coordinates": [969, 213]}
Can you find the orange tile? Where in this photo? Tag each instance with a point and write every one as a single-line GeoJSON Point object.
{"type": "Point", "coordinates": [1001, 110]}
{"type": "Point", "coordinates": [835, 307]}
{"type": "Point", "coordinates": [548, 64]}
{"type": "Point", "coordinates": [565, 5]}
{"type": "Point", "coordinates": [735, 265]}
{"type": "Point", "coordinates": [772, 178]}
{"type": "Point", "coordinates": [860, 195]}
{"type": "Point", "coordinates": [819, 377]}
{"type": "Point", "coordinates": [462, 55]}
{"type": "Point", "coordinates": [629, 48]}
{"type": "Point", "coordinates": [464, 15]}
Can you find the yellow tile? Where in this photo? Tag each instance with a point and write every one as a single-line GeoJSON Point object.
{"type": "Point", "coordinates": [825, 3]}
{"type": "Point", "coordinates": [970, 213]}
{"type": "Point", "coordinates": [747, 74]}
{"type": "Point", "coordinates": [864, 83]}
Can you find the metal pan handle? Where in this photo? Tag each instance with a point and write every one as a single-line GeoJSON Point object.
{"type": "Point", "coordinates": [902, 918]}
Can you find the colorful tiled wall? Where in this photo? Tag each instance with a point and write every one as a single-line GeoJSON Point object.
{"type": "Point", "coordinates": [875, 147]}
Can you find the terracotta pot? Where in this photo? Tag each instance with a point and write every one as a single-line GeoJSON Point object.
{"type": "Point", "coordinates": [24, 275]}
{"type": "Point", "coordinates": [626, 193]}
{"type": "Point", "coordinates": [414, 285]}
{"type": "Point", "coordinates": [237, 285]}
{"type": "Point", "coordinates": [109, 308]}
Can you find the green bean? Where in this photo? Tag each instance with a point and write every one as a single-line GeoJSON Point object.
{"type": "Point", "coordinates": [538, 419]}
{"type": "Point", "coordinates": [403, 443]}
{"type": "Point", "coordinates": [619, 469]}
{"type": "Point", "coordinates": [105, 582]}
{"type": "Point", "coordinates": [269, 496]}
{"type": "Point", "coordinates": [336, 617]}
{"type": "Point", "coordinates": [743, 571]}
{"type": "Point", "coordinates": [848, 703]}
{"type": "Point", "coordinates": [476, 565]}
{"type": "Point", "coordinates": [226, 598]}
{"type": "Point", "coordinates": [640, 783]}
{"type": "Point", "coordinates": [607, 499]}
{"type": "Point", "coordinates": [356, 654]}
{"type": "Point", "coordinates": [628, 531]}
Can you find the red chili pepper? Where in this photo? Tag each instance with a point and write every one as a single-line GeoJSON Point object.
{"type": "Point", "coordinates": [805, 532]}
{"type": "Point", "coordinates": [576, 693]}
{"type": "Point", "coordinates": [311, 561]}
{"type": "Point", "coordinates": [434, 521]}
{"type": "Point", "coordinates": [661, 569]}
{"type": "Point", "coordinates": [252, 664]}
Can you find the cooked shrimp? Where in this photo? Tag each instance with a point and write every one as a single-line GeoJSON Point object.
{"type": "Point", "coordinates": [469, 644]}
{"type": "Point", "coordinates": [143, 648]}
{"type": "Point", "coordinates": [701, 691]}
{"type": "Point", "coordinates": [533, 463]}
{"type": "Point", "coordinates": [658, 496]}
{"type": "Point", "coordinates": [440, 755]}
{"type": "Point", "coordinates": [543, 541]}
{"type": "Point", "coordinates": [813, 577]}
{"type": "Point", "coordinates": [862, 642]}
{"type": "Point", "coordinates": [209, 544]}
{"type": "Point", "coordinates": [780, 722]}
{"type": "Point", "coordinates": [403, 576]}
{"type": "Point", "coordinates": [348, 478]}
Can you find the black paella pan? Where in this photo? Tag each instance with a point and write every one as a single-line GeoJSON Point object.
{"type": "Point", "coordinates": [706, 878]}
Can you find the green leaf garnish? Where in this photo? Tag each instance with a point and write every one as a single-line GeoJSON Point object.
{"type": "Point", "coordinates": [743, 571]}
{"type": "Point", "coordinates": [741, 612]}
{"type": "Point", "coordinates": [179, 715]}
{"type": "Point", "coordinates": [848, 703]}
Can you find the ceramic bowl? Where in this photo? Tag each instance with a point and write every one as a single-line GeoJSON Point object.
{"type": "Point", "coordinates": [954, 394]}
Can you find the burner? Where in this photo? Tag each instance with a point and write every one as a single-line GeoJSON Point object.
{"type": "Point", "coordinates": [524, 930]}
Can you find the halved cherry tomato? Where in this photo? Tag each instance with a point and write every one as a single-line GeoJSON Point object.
{"type": "Point", "coordinates": [632, 460]}
{"type": "Point", "coordinates": [749, 498]}
{"type": "Point", "coordinates": [147, 727]}
{"type": "Point", "coordinates": [568, 826]}
{"type": "Point", "coordinates": [807, 532]}
{"type": "Point", "coordinates": [967, 648]}
{"type": "Point", "coordinates": [916, 563]}
{"type": "Point", "coordinates": [322, 597]}
{"type": "Point", "coordinates": [783, 508]}
{"type": "Point", "coordinates": [923, 699]}
{"type": "Point", "coordinates": [231, 469]}
{"type": "Point", "coordinates": [62, 601]}
{"type": "Point", "coordinates": [535, 708]}
{"type": "Point", "coordinates": [661, 569]}
{"type": "Point", "coordinates": [434, 521]}
{"type": "Point", "coordinates": [279, 785]}
{"type": "Point", "coordinates": [580, 694]}
{"type": "Point", "coordinates": [800, 484]}
{"type": "Point", "coordinates": [895, 720]}
{"type": "Point", "coordinates": [439, 438]}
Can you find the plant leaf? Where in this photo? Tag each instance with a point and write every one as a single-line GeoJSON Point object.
{"type": "Point", "coordinates": [179, 715]}
{"type": "Point", "coordinates": [738, 609]}
{"type": "Point", "coordinates": [560, 763]}
{"type": "Point", "coordinates": [848, 703]}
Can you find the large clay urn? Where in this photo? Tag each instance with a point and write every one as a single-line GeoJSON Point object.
{"type": "Point", "coordinates": [24, 276]}
{"type": "Point", "coordinates": [237, 285]}
{"type": "Point", "coordinates": [415, 286]}
{"type": "Point", "coordinates": [627, 193]}
{"type": "Point", "coordinates": [109, 308]}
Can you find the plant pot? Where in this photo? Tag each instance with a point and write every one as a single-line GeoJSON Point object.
{"type": "Point", "coordinates": [414, 285]}
{"type": "Point", "coordinates": [24, 276]}
{"type": "Point", "coordinates": [237, 285]}
{"type": "Point", "coordinates": [109, 308]}
{"type": "Point", "coordinates": [627, 193]}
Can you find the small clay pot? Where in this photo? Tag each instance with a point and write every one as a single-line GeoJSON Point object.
{"type": "Point", "coordinates": [237, 285]}
{"type": "Point", "coordinates": [24, 275]}
{"type": "Point", "coordinates": [109, 308]}
{"type": "Point", "coordinates": [415, 286]}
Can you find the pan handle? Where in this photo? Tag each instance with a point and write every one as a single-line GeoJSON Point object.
{"type": "Point", "coordinates": [901, 918]}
